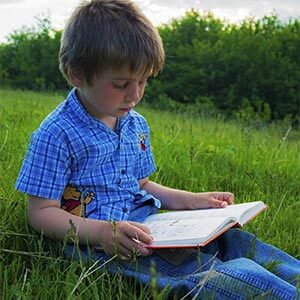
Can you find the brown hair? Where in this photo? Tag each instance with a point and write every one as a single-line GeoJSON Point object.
{"type": "Point", "coordinates": [103, 34]}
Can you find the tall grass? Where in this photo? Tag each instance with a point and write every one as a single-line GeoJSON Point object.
{"type": "Point", "coordinates": [191, 153]}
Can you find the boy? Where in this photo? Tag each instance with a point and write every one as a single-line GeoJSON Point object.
{"type": "Point", "coordinates": [88, 164]}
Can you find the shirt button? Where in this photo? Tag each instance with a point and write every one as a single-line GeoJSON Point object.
{"type": "Point", "coordinates": [125, 209]}
{"type": "Point", "coordinates": [123, 172]}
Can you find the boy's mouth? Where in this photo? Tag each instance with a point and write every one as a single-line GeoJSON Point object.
{"type": "Point", "coordinates": [126, 109]}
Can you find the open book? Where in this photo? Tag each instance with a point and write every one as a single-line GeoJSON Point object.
{"type": "Point", "coordinates": [193, 228]}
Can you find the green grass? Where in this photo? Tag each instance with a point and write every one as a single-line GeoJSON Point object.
{"type": "Point", "coordinates": [191, 153]}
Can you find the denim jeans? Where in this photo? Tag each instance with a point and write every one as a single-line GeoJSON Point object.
{"type": "Point", "coordinates": [234, 266]}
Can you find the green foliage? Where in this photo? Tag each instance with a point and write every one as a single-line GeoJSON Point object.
{"type": "Point", "coordinates": [30, 58]}
{"type": "Point", "coordinates": [192, 153]}
{"type": "Point", "coordinates": [257, 60]}
{"type": "Point", "coordinates": [211, 65]}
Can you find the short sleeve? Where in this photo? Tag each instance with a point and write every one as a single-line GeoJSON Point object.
{"type": "Point", "coordinates": [46, 167]}
{"type": "Point", "coordinates": [147, 163]}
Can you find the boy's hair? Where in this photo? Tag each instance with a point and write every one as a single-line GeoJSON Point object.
{"type": "Point", "coordinates": [102, 34]}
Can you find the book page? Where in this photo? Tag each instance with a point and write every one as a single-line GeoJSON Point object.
{"type": "Point", "coordinates": [239, 211]}
{"type": "Point", "coordinates": [251, 212]}
{"type": "Point", "coordinates": [185, 231]}
{"type": "Point", "coordinates": [232, 211]}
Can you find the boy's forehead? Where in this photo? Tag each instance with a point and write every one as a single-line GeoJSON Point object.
{"type": "Point", "coordinates": [123, 73]}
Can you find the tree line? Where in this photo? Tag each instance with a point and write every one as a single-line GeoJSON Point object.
{"type": "Point", "coordinates": [211, 65]}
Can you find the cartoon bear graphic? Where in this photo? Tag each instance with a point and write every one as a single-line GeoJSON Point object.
{"type": "Point", "coordinates": [75, 201]}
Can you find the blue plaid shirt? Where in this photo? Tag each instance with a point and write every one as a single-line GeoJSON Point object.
{"type": "Point", "coordinates": [75, 158]}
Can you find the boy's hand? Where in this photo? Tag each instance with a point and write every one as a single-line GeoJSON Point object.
{"type": "Point", "coordinates": [213, 199]}
{"type": "Point", "coordinates": [125, 239]}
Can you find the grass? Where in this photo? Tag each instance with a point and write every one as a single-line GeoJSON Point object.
{"type": "Point", "coordinates": [191, 153]}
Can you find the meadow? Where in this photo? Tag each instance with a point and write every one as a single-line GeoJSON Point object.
{"type": "Point", "coordinates": [254, 161]}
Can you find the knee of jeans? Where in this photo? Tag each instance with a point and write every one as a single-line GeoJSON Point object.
{"type": "Point", "coordinates": [241, 265]}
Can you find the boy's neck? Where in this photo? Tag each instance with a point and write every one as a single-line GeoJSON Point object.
{"type": "Point", "coordinates": [109, 121]}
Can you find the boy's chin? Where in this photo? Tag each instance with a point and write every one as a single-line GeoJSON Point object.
{"type": "Point", "coordinates": [125, 110]}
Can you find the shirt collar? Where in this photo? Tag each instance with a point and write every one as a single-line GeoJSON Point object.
{"type": "Point", "coordinates": [80, 112]}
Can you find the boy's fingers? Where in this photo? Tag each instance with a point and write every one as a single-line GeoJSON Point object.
{"type": "Point", "coordinates": [143, 227]}
{"type": "Point", "coordinates": [229, 198]}
{"type": "Point", "coordinates": [135, 252]}
{"type": "Point", "coordinates": [127, 250]}
{"type": "Point", "coordinates": [132, 246]}
{"type": "Point", "coordinates": [218, 203]}
{"type": "Point", "coordinates": [144, 251]}
{"type": "Point", "coordinates": [141, 248]}
{"type": "Point", "coordinates": [139, 233]}
{"type": "Point", "coordinates": [222, 199]}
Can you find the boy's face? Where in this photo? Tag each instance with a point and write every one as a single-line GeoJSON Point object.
{"type": "Point", "coordinates": [112, 94]}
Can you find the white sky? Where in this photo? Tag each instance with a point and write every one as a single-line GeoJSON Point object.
{"type": "Point", "coordinates": [16, 13]}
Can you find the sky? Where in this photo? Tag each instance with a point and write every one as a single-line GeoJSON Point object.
{"type": "Point", "coordinates": [17, 13]}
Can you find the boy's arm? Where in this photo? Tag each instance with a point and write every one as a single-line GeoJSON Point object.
{"type": "Point", "coordinates": [46, 216]}
{"type": "Point", "coordinates": [173, 199]}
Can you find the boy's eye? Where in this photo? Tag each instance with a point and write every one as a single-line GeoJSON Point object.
{"type": "Point", "coordinates": [120, 86]}
{"type": "Point", "coordinates": [143, 83]}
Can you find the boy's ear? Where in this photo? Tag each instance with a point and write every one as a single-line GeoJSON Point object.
{"type": "Point", "coordinates": [75, 78]}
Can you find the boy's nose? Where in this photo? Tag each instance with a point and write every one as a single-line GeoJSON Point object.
{"type": "Point", "coordinates": [134, 94]}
